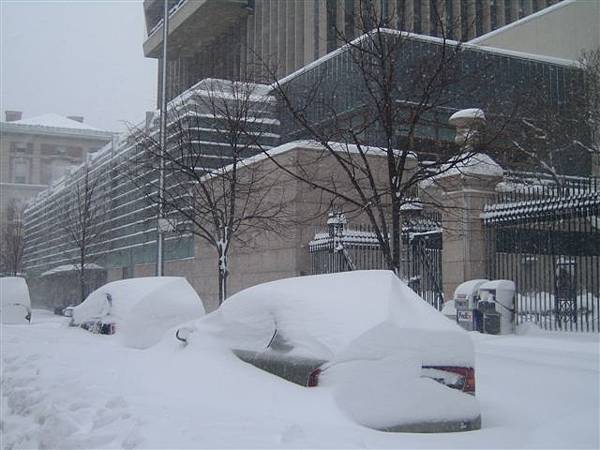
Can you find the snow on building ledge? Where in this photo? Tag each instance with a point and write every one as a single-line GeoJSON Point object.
{"type": "Point", "coordinates": [71, 268]}
{"type": "Point", "coordinates": [477, 165]}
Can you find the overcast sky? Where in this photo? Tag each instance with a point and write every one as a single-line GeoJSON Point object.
{"type": "Point", "coordinates": [76, 57]}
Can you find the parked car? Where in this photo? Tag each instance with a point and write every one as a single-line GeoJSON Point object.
{"type": "Point", "coordinates": [15, 302]}
{"type": "Point", "coordinates": [139, 310]}
{"type": "Point", "coordinates": [393, 361]}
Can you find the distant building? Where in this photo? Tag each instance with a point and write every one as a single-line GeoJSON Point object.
{"type": "Point", "coordinates": [563, 31]}
{"type": "Point", "coordinates": [226, 38]}
{"type": "Point", "coordinates": [37, 151]}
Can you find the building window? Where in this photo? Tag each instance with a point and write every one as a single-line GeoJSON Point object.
{"type": "Point", "coordinates": [20, 170]}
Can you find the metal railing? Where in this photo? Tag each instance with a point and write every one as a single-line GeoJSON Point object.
{"type": "Point", "coordinates": [546, 238]}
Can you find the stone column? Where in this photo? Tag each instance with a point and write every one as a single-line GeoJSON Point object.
{"type": "Point", "coordinates": [500, 13]}
{"type": "Point", "coordinates": [322, 28]}
{"type": "Point", "coordinates": [409, 15]}
{"type": "Point", "coordinates": [466, 187]}
{"type": "Point", "coordinates": [340, 20]}
{"type": "Point", "coordinates": [487, 16]}
{"type": "Point", "coordinates": [290, 38]}
{"type": "Point", "coordinates": [457, 17]}
{"type": "Point", "coordinates": [425, 17]}
{"type": "Point", "coordinates": [299, 39]}
{"type": "Point", "coordinates": [464, 196]}
{"type": "Point", "coordinates": [309, 32]}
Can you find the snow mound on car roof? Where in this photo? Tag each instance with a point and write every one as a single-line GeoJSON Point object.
{"type": "Point", "coordinates": [143, 309]}
{"type": "Point", "coordinates": [321, 315]}
{"type": "Point", "coordinates": [15, 302]}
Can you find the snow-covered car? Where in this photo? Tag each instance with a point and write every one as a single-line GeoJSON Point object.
{"type": "Point", "coordinates": [139, 310]}
{"type": "Point", "coordinates": [392, 361]}
{"type": "Point", "coordinates": [15, 302]}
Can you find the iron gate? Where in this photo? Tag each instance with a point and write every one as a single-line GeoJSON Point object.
{"type": "Point", "coordinates": [341, 248]}
{"type": "Point", "coordinates": [547, 240]}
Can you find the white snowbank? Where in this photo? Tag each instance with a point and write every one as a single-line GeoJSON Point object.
{"type": "Point", "coordinates": [64, 388]}
{"type": "Point", "coordinates": [14, 296]}
{"type": "Point", "coordinates": [143, 309]}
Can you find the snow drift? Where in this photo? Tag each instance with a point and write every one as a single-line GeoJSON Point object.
{"type": "Point", "coordinates": [142, 309]}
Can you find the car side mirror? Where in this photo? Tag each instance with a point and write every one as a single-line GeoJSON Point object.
{"type": "Point", "coordinates": [183, 334]}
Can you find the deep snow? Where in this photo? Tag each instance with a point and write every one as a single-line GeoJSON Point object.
{"type": "Point", "coordinates": [66, 388]}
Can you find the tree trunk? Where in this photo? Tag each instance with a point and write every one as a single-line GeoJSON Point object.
{"type": "Point", "coordinates": [396, 236]}
{"type": "Point", "coordinates": [82, 276]}
{"type": "Point", "coordinates": [223, 272]}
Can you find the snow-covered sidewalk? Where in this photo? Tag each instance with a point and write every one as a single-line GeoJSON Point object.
{"type": "Point", "coordinates": [65, 388]}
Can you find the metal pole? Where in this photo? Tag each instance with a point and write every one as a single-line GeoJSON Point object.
{"type": "Point", "coordinates": [163, 141]}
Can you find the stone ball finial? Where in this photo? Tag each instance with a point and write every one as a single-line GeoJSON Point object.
{"type": "Point", "coordinates": [468, 123]}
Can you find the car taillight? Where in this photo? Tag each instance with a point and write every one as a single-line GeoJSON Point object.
{"type": "Point", "coordinates": [468, 375]}
{"type": "Point", "coordinates": [462, 378]}
{"type": "Point", "coordinates": [313, 378]}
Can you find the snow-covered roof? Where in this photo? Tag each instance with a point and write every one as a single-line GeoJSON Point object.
{"type": "Point", "coordinates": [54, 124]}
{"type": "Point", "coordinates": [56, 121]}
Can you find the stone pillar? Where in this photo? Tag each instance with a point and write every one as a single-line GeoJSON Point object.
{"type": "Point", "coordinates": [309, 32]}
{"type": "Point", "coordinates": [290, 38]}
{"type": "Point", "coordinates": [425, 17]}
{"type": "Point", "coordinates": [322, 28]}
{"type": "Point", "coordinates": [464, 196]}
{"type": "Point", "coordinates": [487, 16]}
{"type": "Point", "coordinates": [299, 39]}
{"type": "Point", "coordinates": [471, 17]}
{"type": "Point", "coordinates": [409, 15]}
{"type": "Point", "coordinates": [457, 17]}
{"type": "Point", "coordinates": [340, 20]}
{"type": "Point", "coordinates": [500, 13]}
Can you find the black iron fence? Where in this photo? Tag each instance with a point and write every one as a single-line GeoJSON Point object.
{"type": "Point", "coordinates": [546, 238]}
{"type": "Point", "coordinates": [340, 248]}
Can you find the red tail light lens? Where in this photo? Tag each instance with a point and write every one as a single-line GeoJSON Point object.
{"type": "Point", "coordinates": [467, 377]}
{"type": "Point", "coordinates": [467, 373]}
{"type": "Point", "coordinates": [313, 378]}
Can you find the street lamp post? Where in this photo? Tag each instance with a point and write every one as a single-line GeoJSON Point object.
{"type": "Point", "coordinates": [163, 141]}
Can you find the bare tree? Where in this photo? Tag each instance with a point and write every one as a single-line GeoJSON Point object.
{"type": "Point", "coordinates": [84, 220]}
{"type": "Point", "coordinates": [212, 191]}
{"type": "Point", "coordinates": [11, 241]}
{"type": "Point", "coordinates": [392, 91]}
{"type": "Point", "coordinates": [557, 136]}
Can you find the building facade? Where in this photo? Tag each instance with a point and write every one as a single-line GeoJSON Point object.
{"type": "Point", "coordinates": [36, 152]}
{"type": "Point", "coordinates": [124, 184]}
{"type": "Point", "coordinates": [239, 39]}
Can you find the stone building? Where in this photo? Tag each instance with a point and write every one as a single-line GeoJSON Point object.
{"type": "Point", "coordinates": [37, 151]}
{"type": "Point", "coordinates": [233, 39]}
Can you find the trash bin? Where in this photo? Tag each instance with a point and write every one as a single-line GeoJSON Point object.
{"type": "Point", "coordinates": [499, 294]}
{"type": "Point", "coordinates": [465, 302]}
